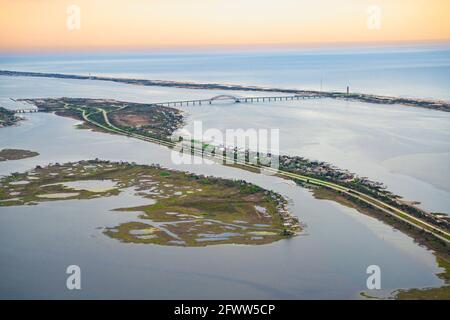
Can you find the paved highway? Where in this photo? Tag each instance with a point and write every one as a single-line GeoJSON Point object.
{"type": "Point", "coordinates": [385, 207]}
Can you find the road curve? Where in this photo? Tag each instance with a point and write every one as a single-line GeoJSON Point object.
{"type": "Point", "coordinates": [397, 213]}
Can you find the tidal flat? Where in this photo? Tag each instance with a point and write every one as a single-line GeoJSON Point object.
{"type": "Point", "coordinates": [183, 209]}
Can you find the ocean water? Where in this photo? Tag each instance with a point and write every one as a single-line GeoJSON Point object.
{"type": "Point", "coordinates": [408, 70]}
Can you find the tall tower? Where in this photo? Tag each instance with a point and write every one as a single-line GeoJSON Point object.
{"type": "Point", "coordinates": [348, 89]}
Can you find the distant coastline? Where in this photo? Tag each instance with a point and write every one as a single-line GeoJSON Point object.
{"type": "Point", "coordinates": [368, 98]}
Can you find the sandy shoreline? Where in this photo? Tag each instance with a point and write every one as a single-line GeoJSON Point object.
{"type": "Point", "coordinates": [368, 98]}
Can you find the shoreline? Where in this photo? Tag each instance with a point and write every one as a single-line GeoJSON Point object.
{"type": "Point", "coordinates": [358, 203]}
{"type": "Point", "coordinates": [438, 249]}
{"type": "Point", "coordinates": [439, 105]}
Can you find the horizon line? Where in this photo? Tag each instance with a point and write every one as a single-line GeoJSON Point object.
{"type": "Point", "coordinates": [225, 47]}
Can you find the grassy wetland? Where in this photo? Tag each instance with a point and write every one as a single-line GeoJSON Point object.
{"type": "Point", "coordinates": [183, 210]}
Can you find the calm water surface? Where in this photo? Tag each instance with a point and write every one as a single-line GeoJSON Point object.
{"type": "Point", "coordinates": [375, 141]}
{"type": "Point", "coordinates": [409, 70]}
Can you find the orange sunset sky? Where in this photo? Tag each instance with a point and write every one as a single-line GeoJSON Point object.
{"type": "Point", "coordinates": [43, 24]}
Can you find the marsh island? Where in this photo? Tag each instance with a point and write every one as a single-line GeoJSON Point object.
{"type": "Point", "coordinates": [16, 154]}
{"type": "Point", "coordinates": [183, 209]}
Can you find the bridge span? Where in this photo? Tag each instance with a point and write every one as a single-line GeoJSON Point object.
{"type": "Point", "coordinates": [223, 97]}
{"type": "Point", "coordinates": [25, 110]}
{"type": "Point", "coordinates": [236, 99]}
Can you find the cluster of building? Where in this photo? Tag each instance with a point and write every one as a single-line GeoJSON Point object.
{"type": "Point", "coordinates": [317, 168]}
{"type": "Point", "coordinates": [290, 222]}
{"type": "Point", "coordinates": [7, 118]}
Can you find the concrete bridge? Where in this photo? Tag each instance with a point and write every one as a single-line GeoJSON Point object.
{"type": "Point", "coordinates": [25, 110]}
{"type": "Point", "coordinates": [236, 99]}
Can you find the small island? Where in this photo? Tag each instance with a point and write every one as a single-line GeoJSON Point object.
{"type": "Point", "coordinates": [16, 154]}
{"type": "Point", "coordinates": [183, 209]}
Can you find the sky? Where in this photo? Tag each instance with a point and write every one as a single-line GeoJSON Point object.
{"type": "Point", "coordinates": [102, 24]}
